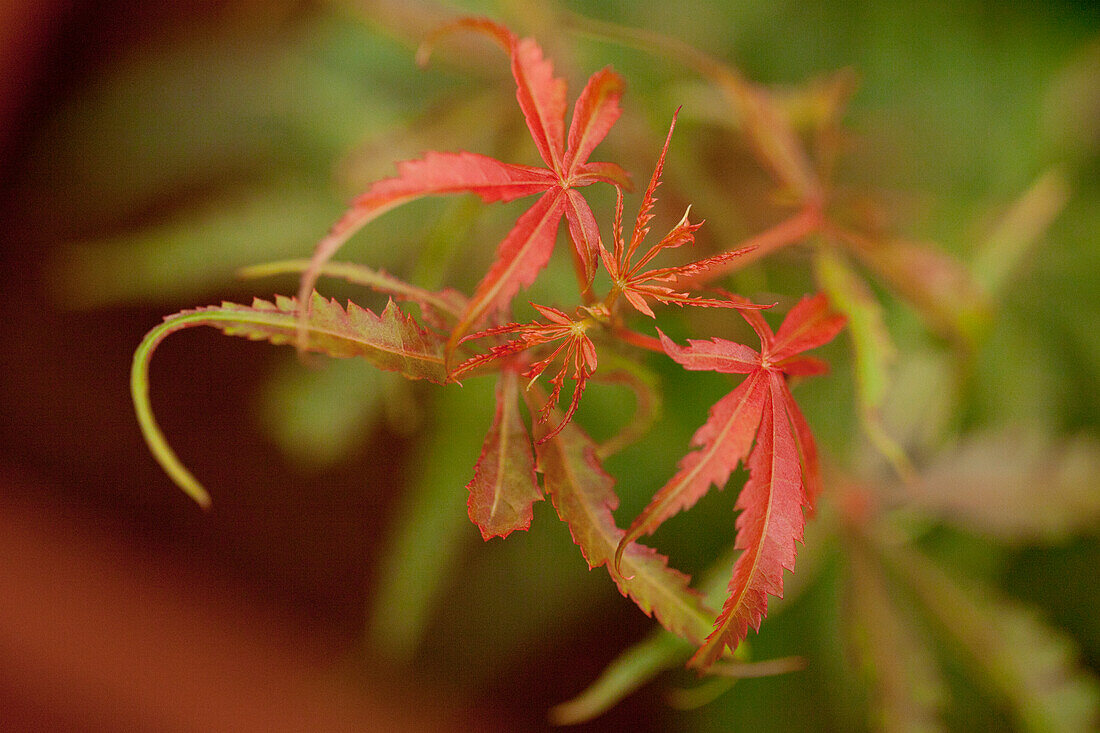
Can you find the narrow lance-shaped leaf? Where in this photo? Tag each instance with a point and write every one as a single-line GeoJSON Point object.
{"type": "Point", "coordinates": [659, 651]}
{"type": "Point", "coordinates": [811, 323]}
{"type": "Point", "coordinates": [504, 486]}
{"type": "Point", "coordinates": [874, 349]}
{"type": "Point", "coordinates": [584, 497]}
{"type": "Point", "coordinates": [392, 341]}
{"type": "Point", "coordinates": [520, 257]}
{"type": "Point", "coordinates": [770, 523]}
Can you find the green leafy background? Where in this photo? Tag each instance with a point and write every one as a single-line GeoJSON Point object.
{"type": "Point", "coordinates": [187, 151]}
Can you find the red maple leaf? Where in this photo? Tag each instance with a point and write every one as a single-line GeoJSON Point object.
{"type": "Point", "coordinates": [576, 349]}
{"type": "Point", "coordinates": [784, 475]}
{"type": "Point", "coordinates": [635, 283]}
{"type": "Point", "coordinates": [526, 249]}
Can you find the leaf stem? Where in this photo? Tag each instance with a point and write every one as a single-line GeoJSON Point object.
{"type": "Point", "coordinates": [789, 231]}
{"type": "Point", "coordinates": [638, 339]}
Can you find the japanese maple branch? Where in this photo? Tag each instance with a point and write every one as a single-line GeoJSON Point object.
{"type": "Point", "coordinates": [789, 231]}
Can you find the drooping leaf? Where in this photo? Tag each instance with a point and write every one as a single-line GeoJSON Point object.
{"type": "Point", "coordinates": [724, 441]}
{"type": "Point", "coordinates": [1032, 667]}
{"type": "Point", "coordinates": [504, 486]}
{"type": "Point", "coordinates": [768, 526]}
{"type": "Point", "coordinates": [905, 689]}
{"type": "Point", "coordinates": [392, 341]}
{"type": "Point", "coordinates": [584, 497]}
{"type": "Point", "coordinates": [660, 651]}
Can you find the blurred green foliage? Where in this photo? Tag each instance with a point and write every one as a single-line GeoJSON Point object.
{"type": "Point", "coordinates": [239, 147]}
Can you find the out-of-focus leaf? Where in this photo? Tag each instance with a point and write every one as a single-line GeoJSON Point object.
{"type": "Point", "coordinates": [1019, 229]}
{"type": "Point", "coordinates": [939, 286]}
{"type": "Point", "coordinates": [431, 524]}
{"type": "Point", "coordinates": [195, 253]}
{"type": "Point", "coordinates": [874, 348]}
{"type": "Point", "coordinates": [1031, 666]}
{"type": "Point", "coordinates": [1070, 106]}
{"type": "Point", "coordinates": [762, 119]}
{"type": "Point", "coordinates": [635, 667]}
{"type": "Point", "coordinates": [1017, 485]}
{"type": "Point", "coordinates": [906, 689]}
{"type": "Point", "coordinates": [319, 416]}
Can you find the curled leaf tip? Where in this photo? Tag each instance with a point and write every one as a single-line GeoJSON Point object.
{"type": "Point", "coordinates": [620, 550]}
{"type": "Point", "coordinates": [150, 431]}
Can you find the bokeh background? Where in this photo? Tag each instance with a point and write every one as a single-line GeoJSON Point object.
{"type": "Point", "coordinates": [150, 150]}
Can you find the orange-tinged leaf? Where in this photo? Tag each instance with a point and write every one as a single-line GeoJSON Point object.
{"type": "Point", "coordinates": [434, 174]}
{"type": "Point", "coordinates": [718, 355]}
{"type": "Point", "coordinates": [808, 325]}
{"type": "Point", "coordinates": [392, 341]}
{"type": "Point", "coordinates": [541, 96]}
{"type": "Point", "coordinates": [584, 231]}
{"type": "Point", "coordinates": [596, 110]}
{"type": "Point", "coordinates": [520, 257]}
{"type": "Point", "coordinates": [807, 449]}
{"type": "Point", "coordinates": [724, 441]}
{"type": "Point", "coordinates": [584, 497]}
{"type": "Point", "coordinates": [770, 523]}
{"type": "Point", "coordinates": [504, 486]}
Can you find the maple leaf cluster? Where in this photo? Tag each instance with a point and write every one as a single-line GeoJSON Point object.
{"type": "Point", "coordinates": [758, 423]}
